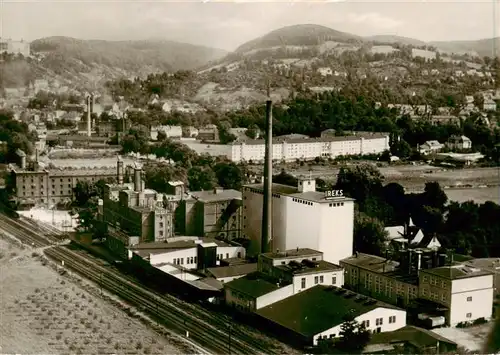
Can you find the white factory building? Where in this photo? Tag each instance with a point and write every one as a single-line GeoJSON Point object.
{"type": "Point", "coordinates": [309, 148]}
{"type": "Point", "coordinates": [188, 252]}
{"type": "Point", "coordinates": [322, 311]}
{"type": "Point", "coordinates": [465, 291]}
{"type": "Point", "coordinates": [279, 276]}
{"type": "Point", "coordinates": [302, 218]}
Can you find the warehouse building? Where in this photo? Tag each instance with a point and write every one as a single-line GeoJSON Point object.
{"type": "Point", "coordinates": [323, 310]}
{"type": "Point", "coordinates": [302, 217]}
{"type": "Point", "coordinates": [34, 185]}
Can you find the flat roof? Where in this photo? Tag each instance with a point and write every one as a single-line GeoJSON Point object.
{"type": "Point", "coordinates": [456, 272]}
{"type": "Point", "coordinates": [318, 309]}
{"type": "Point", "coordinates": [489, 264]}
{"type": "Point", "coordinates": [222, 195]}
{"type": "Point", "coordinates": [255, 285]}
{"type": "Point", "coordinates": [372, 263]}
{"type": "Point", "coordinates": [291, 140]}
{"type": "Point", "coordinates": [319, 266]}
{"type": "Point", "coordinates": [233, 270]}
{"type": "Point", "coordinates": [313, 196]}
{"type": "Point", "coordinates": [144, 249]}
{"type": "Point", "coordinates": [292, 253]}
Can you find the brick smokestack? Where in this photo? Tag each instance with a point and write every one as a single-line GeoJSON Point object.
{"type": "Point", "coordinates": [267, 208]}
{"type": "Point", "coordinates": [89, 123]}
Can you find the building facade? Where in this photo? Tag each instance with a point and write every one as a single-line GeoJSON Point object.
{"type": "Point", "coordinates": [136, 211]}
{"type": "Point", "coordinates": [211, 214]}
{"type": "Point", "coordinates": [302, 218]}
{"type": "Point", "coordinates": [15, 47]}
{"type": "Point", "coordinates": [35, 185]}
{"type": "Point", "coordinates": [311, 148]}
{"type": "Point", "coordinates": [466, 292]}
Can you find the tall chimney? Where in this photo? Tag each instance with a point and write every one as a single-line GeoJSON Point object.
{"type": "Point", "coordinates": [137, 178]}
{"type": "Point", "coordinates": [267, 228]}
{"type": "Point", "coordinates": [419, 260]}
{"type": "Point", "coordinates": [89, 126]}
{"type": "Point", "coordinates": [119, 171]}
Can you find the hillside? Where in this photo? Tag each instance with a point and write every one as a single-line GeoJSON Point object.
{"type": "Point", "coordinates": [297, 35]}
{"type": "Point", "coordinates": [389, 39]}
{"type": "Point", "coordinates": [482, 47]}
{"type": "Point", "coordinates": [83, 62]}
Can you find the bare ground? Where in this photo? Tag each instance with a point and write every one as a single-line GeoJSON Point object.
{"type": "Point", "coordinates": [44, 312]}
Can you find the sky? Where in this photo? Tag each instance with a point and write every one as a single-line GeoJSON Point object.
{"type": "Point", "coordinates": [228, 24]}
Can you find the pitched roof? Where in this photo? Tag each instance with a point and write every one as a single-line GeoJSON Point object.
{"type": "Point", "coordinates": [318, 309]}
{"type": "Point", "coordinates": [419, 337]}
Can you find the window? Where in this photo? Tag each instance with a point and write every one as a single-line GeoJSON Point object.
{"type": "Point", "coordinates": [303, 282]}
{"type": "Point", "coordinates": [316, 280]}
{"type": "Point", "coordinates": [392, 319]}
{"type": "Point", "coordinates": [334, 280]}
{"type": "Point", "coordinates": [161, 224]}
{"type": "Point", "coordinates": [469, 315]}
{"type": "Point", "coordinates": [469, 299]}
{"type": "Point", "coordinates": [182, 261]}
{"type": "Point", "coordinates": [239, 254]}
{"type": "Point", "coordinates": [175, 261]}
{"type": "Point", "coordinates": [283, 263]}
{"type": "Point", "coordinates": [195, 259]}
{"type": "Point", "coordinates": [227, 255]}
{"type": "Point", "coordinates": [379, 321]}
{"type": "Point", "coordinates": [161, 233]}
{"type": "Point", "coordinates": [443, 297]}
{"type": "Point", "coordinates": [366, 323]}
{"type": "Point", "coordinates": [424, 292]}
{"type": "Point", "coordinates": [425, 278]}
{"type": "Point", "coordinates": [321, 279]}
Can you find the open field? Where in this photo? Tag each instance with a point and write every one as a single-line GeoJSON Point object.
{"type": "Point", "coordinates": [44, 312]}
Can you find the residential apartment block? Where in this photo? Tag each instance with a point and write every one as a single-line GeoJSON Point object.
{"type": "Point", "coordinates": [303, 218]}
{"type": "Point", "coordinates": [309, 148]}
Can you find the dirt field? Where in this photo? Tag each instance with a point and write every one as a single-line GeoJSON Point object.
{"type": "Point", "coordinates": [44, 312]}
{"type": "Point", "coordinates": [472, 339]}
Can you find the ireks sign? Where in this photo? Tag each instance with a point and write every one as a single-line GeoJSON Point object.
{"type": "Point", "coordinates": [334, 193]}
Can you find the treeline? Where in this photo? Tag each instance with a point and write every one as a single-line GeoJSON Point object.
{"type": "Point", "coordinates": [468, 228]}
{"type": "Point", "coordinates": [14, 135]}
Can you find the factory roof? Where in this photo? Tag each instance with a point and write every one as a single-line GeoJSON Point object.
{"type": "Point", "coordinates": [418, 337]}
{"type": "Point", "coordinates": [221, 195]}
{"type": "Point", "coordinates": [233, 270]}
{"type": "Point", "coordinates": [145, 249]}
{"type": "Point", "coordinates": [83, 172]}
{"type": "Point", "coordinates": [456, 272]}
{"type": "Point", "coordinates": [489, 264]}
{"type": "Point", "coordinates": [308, 267]}
{"type": "Point", "coordinates": [76, 138]}
{"type": "Point", "coordinates": [321, 308]}
{"type": "Point", "coordinates": [293, 253]}
{"type": "Point", "coordinates": [372, 263]}
{"type": "Point", "coordinates": [292, 191]}
{"type": "Point", "coordinates": [255, 285]}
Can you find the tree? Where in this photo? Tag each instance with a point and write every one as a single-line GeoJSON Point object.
{"type": "Point", "coordinates": [252, 131]}
{"type": "Point", "coordinates": [359, 181]}
{"type": "Point", "coordinates": [354, 337]}
{"type": "Point", "coordinates": [369, 235]}
{"type": "Point", "coordinates": [401, 149]}
{"type": "Point", "coordinates": [201, 178]}
{"type": "Point", "coordinates": [229, 175]}
{"type": "Point", "coordinates": [434, 196]}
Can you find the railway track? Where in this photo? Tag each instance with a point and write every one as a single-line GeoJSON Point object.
{"type": "Point", "coordinates": [206, 328]}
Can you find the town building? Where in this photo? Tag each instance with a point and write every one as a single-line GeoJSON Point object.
{"type": "Point", "coordinates": [489, 105]}
{"type": "Point", "coordinates": [491, 265]}
{"type": "Point", "coordinates": [459, 143]}
{"type": "Point", "coordinates": [281, 275]}
{"type": "Point", "coordinates": [15, 47]}
{"type": "Point", "coordinates": [209, 133]}
{"type": "Point", "coordinates": [169, 131]}
{"type": "Point", "coordinates": [291, 149]}
{"type": "Point", "coordinates": [430, 147]}
{"type": "Point", "coordinates": [466, 292]}
{"type": "Point", "coordinates": [318, 314]}
{"type": "Point", "coordinates": [302, 218]}
{"type": "Point", "coordinates": [33, 184]}
{"type": "Point", "coordinates": [212, 214]}
{"type": "Point", "coordinates": [129, 210]}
